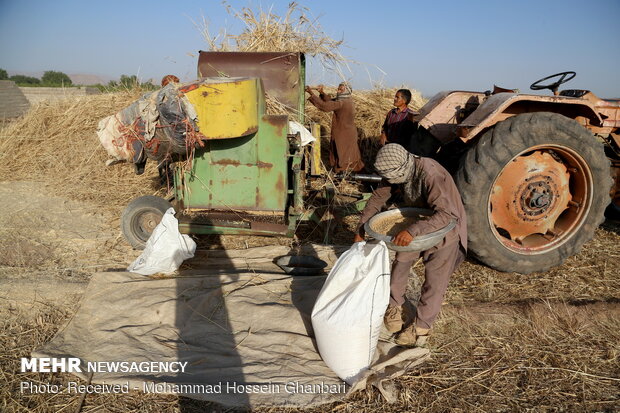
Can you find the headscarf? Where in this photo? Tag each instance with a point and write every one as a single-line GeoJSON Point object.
{"type": "Point", "coordinates": [394, 163]}
{"type": "Point", "coordinates": [398, 166]}
{"type": "Point", "coordinates": [347, 91]}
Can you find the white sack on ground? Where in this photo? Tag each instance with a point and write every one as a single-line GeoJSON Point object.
{"type": "Point", "coordinates": [348, 313]}
{"type": "Point", "coordinates": [166, 248]}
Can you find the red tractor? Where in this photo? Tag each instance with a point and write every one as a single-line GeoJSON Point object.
{"type": "Point", "coordinates": [535, 172]}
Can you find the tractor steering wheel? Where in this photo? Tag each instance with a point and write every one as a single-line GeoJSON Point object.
{"type": "Point", "coordinates": [564, 77]}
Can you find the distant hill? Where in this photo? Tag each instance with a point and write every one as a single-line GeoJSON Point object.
{"type": "Point", "coordinates": [76, 78]}
{"type": "Point", "coordinates": [88, 79]}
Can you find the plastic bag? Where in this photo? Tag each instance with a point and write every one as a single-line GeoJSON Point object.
{"type": "Point", "coordinates": [348, 313]}
{"type": "Point", "coordinates": [165, 249]}
{"type": "Point", "coordinates": [306, 136]}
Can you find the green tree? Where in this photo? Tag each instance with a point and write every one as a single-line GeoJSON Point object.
{"type": "Point", "coordinates": [3, 74]}
{"type": "Point", "coordinates": [22, 80]}
{"type": "Point", "coordinates": [148, 85]}
{"type": "Point", "coordinates": [52, 78]}
{"type": "Point", "coordinates": [129, 81]}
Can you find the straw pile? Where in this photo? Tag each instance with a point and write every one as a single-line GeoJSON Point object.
{"type": "Point", "coordinates": [371, 106]}
{"type": "Point", "coordinates": [55, 143]}
{"type": "Point", "coordinates": [266, 31]}
{"type": "Point", "coordinates": [296, 31]}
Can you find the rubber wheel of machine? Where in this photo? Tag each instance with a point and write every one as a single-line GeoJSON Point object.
{"type": "Point", "coordinates": [531, 173]}
{"type": "Point", "coordinates": [140, 218]}
{"type": "Point", "coordinates": [612, 212]}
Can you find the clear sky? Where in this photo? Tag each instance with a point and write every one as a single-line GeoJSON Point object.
{"type": "Point", "coordinates": [427, 45]}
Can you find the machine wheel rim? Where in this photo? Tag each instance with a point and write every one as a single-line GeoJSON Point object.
{"type": "Point", "coordinates": [145, 222]}
{"type": "Point", "coordinates": [530, 210]}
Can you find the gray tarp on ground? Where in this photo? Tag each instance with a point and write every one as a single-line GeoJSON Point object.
{"type": "Point", "coordinates": [236, 319]}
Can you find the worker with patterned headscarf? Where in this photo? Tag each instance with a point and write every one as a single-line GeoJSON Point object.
{"type": "Point", "coordinates": [423, 183]}
{"type": "Point", "coordinates": [344, 152]}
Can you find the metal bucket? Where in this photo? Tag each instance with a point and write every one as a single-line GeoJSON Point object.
{"type": "Point", "coordinates": [419, 243]}
{"type": "Point", "coordinates": [301, 264]}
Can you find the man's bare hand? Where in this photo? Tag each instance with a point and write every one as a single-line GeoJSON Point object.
{"type": "Point", "coordinates": [383, 139]}
{"type": "Point", "coordinates": [358, 238]}
{"type": "Point", "coordinates": [403, 238]}
{"type": "Point", "coordinates": [320, 89]}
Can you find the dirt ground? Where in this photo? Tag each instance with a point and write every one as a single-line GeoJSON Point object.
{"type": "Point", "coordinates": [504, 341]}
{"type": "Point", "coordinates": [51, 245]}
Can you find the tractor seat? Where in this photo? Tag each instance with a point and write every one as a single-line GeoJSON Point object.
{"type": "Point", "coordinates": [577, 93]}
{"type": "Point", "coordinates": [574, 93]}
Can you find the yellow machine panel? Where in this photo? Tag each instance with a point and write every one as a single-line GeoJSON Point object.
{"type": "Point", "coordinates": [226, 107]}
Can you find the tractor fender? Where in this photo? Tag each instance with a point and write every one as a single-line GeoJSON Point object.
{"type": "Point", "coordinates": [501, 106]}
{"type": "Point", "coordinates": [439, 115]}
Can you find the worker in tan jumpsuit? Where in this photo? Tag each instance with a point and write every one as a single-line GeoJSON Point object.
{"type": "Point", "coordinates": [344, 153]}
{"type": "Point", "coordinates": [424, 183]}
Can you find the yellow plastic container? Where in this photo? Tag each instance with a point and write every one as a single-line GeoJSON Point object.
{"type": "Point", "coordinates": [226, 107]}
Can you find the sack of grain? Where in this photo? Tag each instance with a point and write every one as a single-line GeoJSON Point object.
{"type": "Point", "coordinates": [348, 313]}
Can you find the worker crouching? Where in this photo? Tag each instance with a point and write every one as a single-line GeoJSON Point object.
{"type": "Point", "coordinates": [423, 183]}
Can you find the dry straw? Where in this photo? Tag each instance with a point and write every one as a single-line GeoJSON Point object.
{"type": "Point", "coordinates": [55, 143]}
{"type": "Point", "coordinates": [515, 354]}
{"type": "Point", "coordinates": [266, 31]}
{"type": "Point", "coordinates": [533, 356]}
{"type": "Point", "coordinates": [297, 31]}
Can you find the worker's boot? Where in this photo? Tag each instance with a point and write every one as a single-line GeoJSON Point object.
{"type": "Point", "coordinates": [413, 336]}
{"type": "Point", "coordinates": [396, 317]}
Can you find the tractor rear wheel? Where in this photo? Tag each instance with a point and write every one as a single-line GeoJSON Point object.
{"type": "Point", "coordinates": [140, 217]}
{"type": "Point", "coordinates": [535, 187]}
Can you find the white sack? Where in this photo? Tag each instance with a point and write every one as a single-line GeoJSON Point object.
{"type": "Point", "coordinates": [165, 249]}
{"type": "Point", "coordinates": [306, 136]}
{"type": "Point", "coordinates": [348, 313]}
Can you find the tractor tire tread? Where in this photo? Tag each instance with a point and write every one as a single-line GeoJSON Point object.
{"type": "Point", "coordinates": [483, 162]}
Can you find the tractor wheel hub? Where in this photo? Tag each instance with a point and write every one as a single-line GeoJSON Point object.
{"type": "Point", "coordinates": [529, 195]}
{"type": "Point", "coordinates": [536, 197]}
